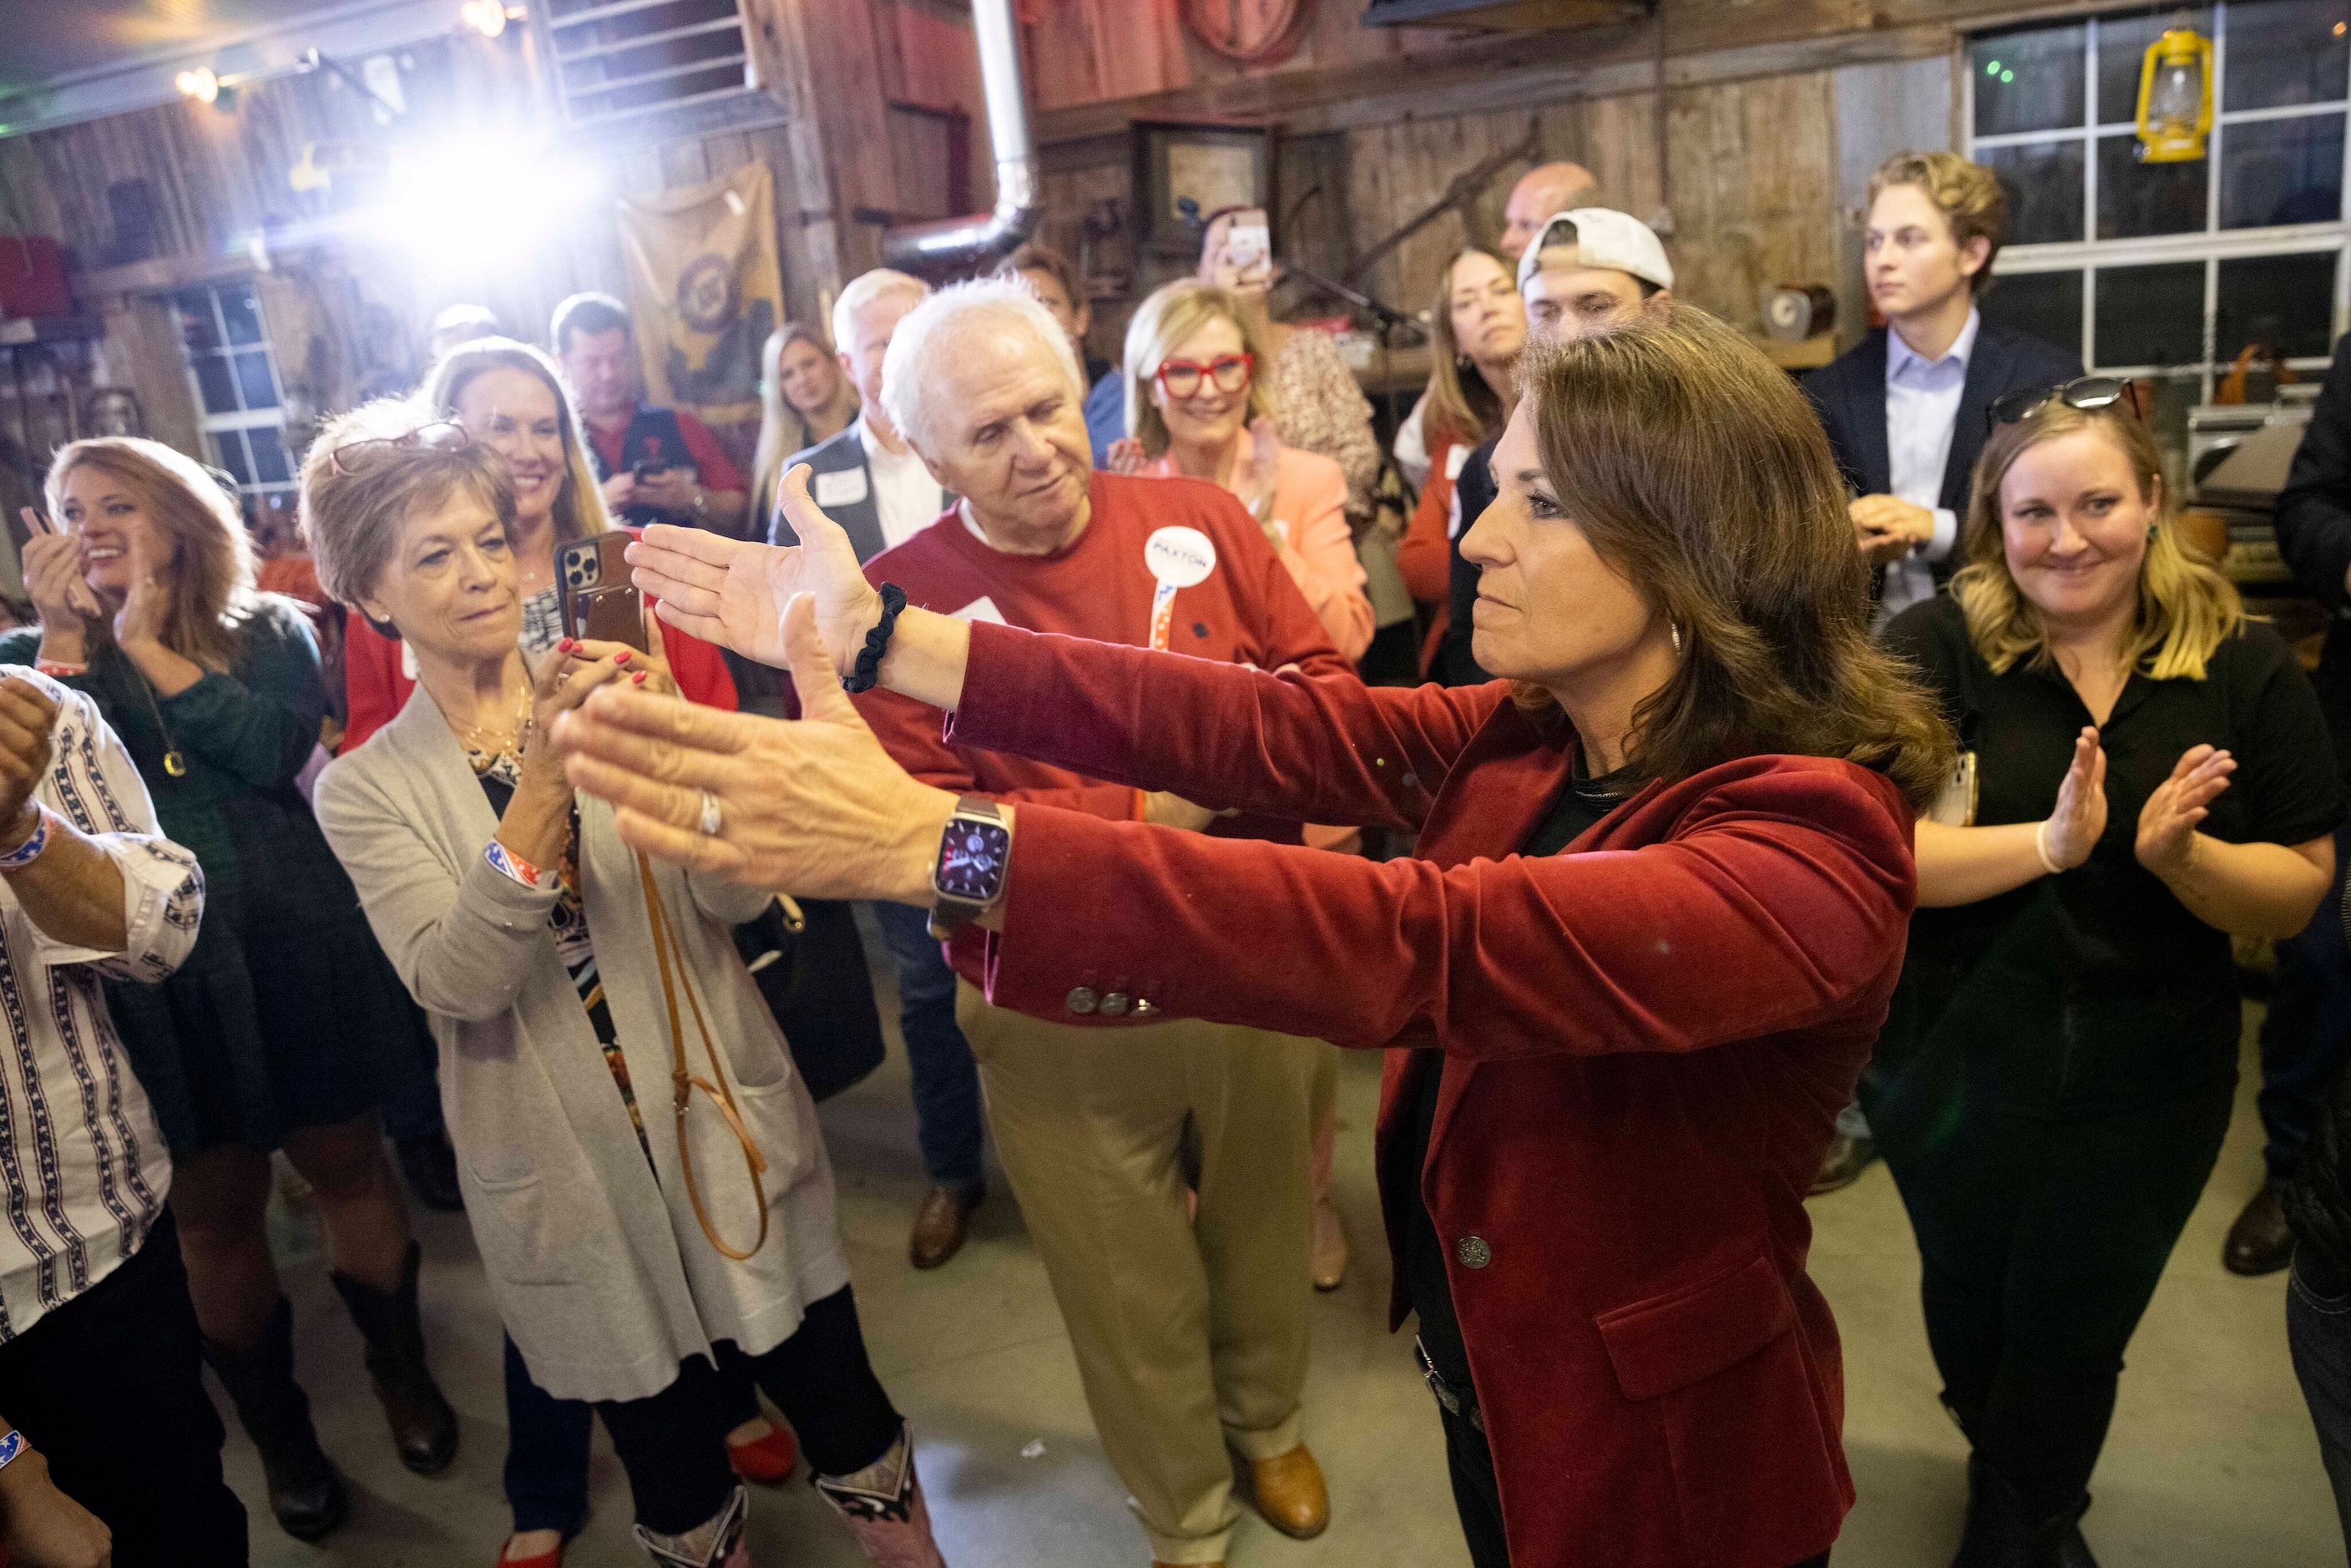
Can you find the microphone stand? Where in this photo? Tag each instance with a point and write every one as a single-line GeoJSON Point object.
{"type": "Point", "coordinates": [1390, 318]}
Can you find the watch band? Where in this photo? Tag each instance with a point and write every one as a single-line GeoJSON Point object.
{"type": "Point", "coordinates": [948, 912]}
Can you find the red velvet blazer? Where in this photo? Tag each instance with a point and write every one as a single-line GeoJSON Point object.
{"type": "Point", "coordinates": [1645, 1044]}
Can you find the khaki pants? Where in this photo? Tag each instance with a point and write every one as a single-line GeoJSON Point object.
{"type": "Point", "coordinates": [1190, 1333]}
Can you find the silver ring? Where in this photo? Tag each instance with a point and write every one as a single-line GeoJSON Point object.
{"type": "Point", "coordinates": [711, 821]}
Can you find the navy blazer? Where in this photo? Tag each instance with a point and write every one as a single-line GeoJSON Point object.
{"type": "Point", "coordinates": [1850, 395]}
{"type": "Point", "coordinates": [861, 520]}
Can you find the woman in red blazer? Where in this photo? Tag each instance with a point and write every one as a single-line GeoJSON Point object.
{"type": "Point", "coordinates": [1655, 913]}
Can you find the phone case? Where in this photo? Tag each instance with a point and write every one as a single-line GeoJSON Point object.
{"type": "Point", "coordinates": [598, 600]}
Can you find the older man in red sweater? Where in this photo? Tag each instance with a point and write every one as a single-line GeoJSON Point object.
{"type": "Point", "coordinates": [1190, 1333]}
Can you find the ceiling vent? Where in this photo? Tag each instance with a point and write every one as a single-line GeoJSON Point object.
{"type": "Point", "coordinates": [652, 69]}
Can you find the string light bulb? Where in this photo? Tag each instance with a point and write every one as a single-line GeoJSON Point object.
{"type": "Point", "coordinates": [199, 84]}
{"type": "Point", "coordinates": [487, 17]}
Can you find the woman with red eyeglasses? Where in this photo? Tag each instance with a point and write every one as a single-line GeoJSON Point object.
{"type": "Point", "coordinates": [1196, 405]}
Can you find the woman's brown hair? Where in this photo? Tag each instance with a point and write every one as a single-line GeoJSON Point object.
{"type": "Point", "coordinates": [210, 574]}
{"type": "Point", "coordinates": [1697, 470]}
{"type": "Point", "coordinates": [1461, 406]}
{"type": "Point", "coordinates": [354, 511]}
{"type": "Point", "coordinates": [579, 512]}
{"type": "Point", "coordinates": [2185, 609]}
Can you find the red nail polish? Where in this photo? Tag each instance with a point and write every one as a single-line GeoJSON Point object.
{"type": "Point", "coordinates": [639, 677]}
{"type": "Point", "coordinates": [621, 657]}
{"type": "Point", "coordinates": [564, 646]}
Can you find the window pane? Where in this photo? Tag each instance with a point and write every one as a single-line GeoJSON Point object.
{"type": "Point", "coordinates": [2286, 51]}
{"type": "Point", "coordinates": [268, 457]}
{"type": "Point", "coordinates": [2045, 305]}
{"type": "Point", "coordinates": [2043, 182]}
{"type": "Point", "coordinates": [253, 375]}
{"type": "Point", "coordinates": [2150, 315]}
{"type": "Point", "coordinates": [195, 313]}
{"type": "Point", "coordinates": [2136, 198]}
{"type": "Point", "coordinates": [2030, 80]}
{"type": "Point", "coordinates": [2285, 299]}
{"type": "Point", "coordinates": [228, 451]}
{"type": "Point", "coordinates": [2281, 171]}
{"type": "Point", "coordinates": [2122, 55]}
{"type": "Point", "coordinates": [212, 378]}
{"type": "Point", "coordinates": [242, 313]}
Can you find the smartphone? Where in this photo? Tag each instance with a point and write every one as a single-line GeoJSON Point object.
{"type": "Point", "coordinates": [648, 469]}
{"type": "Point", "coordinates": [600, 603]}
{"type": "Point", "coordinates": [1248, 242]}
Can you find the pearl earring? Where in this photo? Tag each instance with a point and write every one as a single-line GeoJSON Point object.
{"type": "Point", "coordinates": [1677, 637]}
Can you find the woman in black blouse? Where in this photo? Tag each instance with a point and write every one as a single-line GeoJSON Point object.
{"type": "Point", "coordinates": [2145, 773]}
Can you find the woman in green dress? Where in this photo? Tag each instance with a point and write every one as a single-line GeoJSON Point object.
{"type": "Point", "coordinates": [286, 1026]}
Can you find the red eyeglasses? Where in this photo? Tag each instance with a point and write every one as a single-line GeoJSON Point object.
{"type": "Point", "coordinates": [1182, 378]}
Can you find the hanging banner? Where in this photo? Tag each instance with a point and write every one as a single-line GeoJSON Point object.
{"type": "Point", "coordinates": [705, 290]}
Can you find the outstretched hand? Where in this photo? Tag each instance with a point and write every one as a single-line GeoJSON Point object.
{"type": "Point", "coordinates": [733, 592]}
{"type": "Point", "coordinates": [812, 807]}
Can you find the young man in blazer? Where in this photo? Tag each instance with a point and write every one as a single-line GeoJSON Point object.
{"type": "Point", "coordinates": [1906, 410]}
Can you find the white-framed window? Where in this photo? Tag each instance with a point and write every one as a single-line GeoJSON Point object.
{"type": "Point", "coordinates": [233, 373]}
{"type": "Point", "coordinates": [2170, 270]}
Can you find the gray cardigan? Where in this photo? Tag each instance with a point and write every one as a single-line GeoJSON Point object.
{"type": "Point", "coordinates": [599, 1270]}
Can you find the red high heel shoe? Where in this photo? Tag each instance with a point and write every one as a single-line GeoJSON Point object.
{"type": "Point", "coordinates": [766, 1461]}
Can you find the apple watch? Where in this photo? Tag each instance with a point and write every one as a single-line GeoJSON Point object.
{"type": "Point", "coordinates": [974, 855]}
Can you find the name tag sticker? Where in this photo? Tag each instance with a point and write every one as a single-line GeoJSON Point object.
{"type": "Point", "coordinates": [981, 609]}
{"type": "Point", "coordinates": [1179, 557]}
{"type": "Point", "coordinates": [842, 488]}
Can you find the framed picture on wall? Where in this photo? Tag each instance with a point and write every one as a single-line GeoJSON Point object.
{"type": "Point", "coordinates": [1185, 172]}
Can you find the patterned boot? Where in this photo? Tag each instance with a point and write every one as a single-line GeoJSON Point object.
{"type": "Point", "coordinates": [883, 1505]}
{"type": "Point", "coordinates": [721, 1542]}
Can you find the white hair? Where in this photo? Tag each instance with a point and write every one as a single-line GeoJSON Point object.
{"type": "Point", "coordinates": [865, 289]}
{"type": "Point", "coordinates": [930, 330]}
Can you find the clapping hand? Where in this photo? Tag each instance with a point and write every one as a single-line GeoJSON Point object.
{"type": "Point", "coordinates": [27, 717]}
{"type": "Point", "coordinates": [1125, 456]}
{"type": "Point", "coordinates": [147, 605]}
{"type": "Point", "coordinates": [2079, 820]}
{"type": "Point", "coordinates": [1257, 473]}
{"type": "Point", "coordinates": [733, 592]}
{"type": "Point", "coordinates": [55, 573]}
{"type": "Point", "coordinates": [2167, 823]}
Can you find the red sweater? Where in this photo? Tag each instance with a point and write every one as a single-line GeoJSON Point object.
{"type": "Point", "coordinates": [1645, 1045]}
{"type": "Point", "coordinates": [1248, 610]}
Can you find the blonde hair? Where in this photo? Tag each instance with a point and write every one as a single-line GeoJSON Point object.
{"type": "Point", "coordinates": [782, 430]}
{"type": "Point", "coordinates": [209, 575]}
{"type": "Point", "coordinates": [1460, 404]}
{"type": "Point", "coordinates": [1967, 194]}
{"type": "Point", "coordinates": [2185, 609]}
{"type": "Point", "coordinates": [579, 512]}
{"type": "Point", "coordinates": [1170, 315]}
{"type": "Point", "coordinates": [353, 519]}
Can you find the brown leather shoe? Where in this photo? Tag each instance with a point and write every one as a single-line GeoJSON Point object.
{"type": "Point", "coordinates": [2259, 1243]}
{"type": "Point", "coordinates": [1290, 1493]}
{"type": "Point", "coordinates": [1848, 1157]}
{"type": "Point", "coordinates": [942, 1225]}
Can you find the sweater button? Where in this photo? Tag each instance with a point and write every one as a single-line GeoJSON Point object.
{"type": "Point", "coordinates": [1082, 998]}
{"type": "Point", "coordinates": [1114, 1004]}
{"type": "Point", "coordinates": [1473, 1252]}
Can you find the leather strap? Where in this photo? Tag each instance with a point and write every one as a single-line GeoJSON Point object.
{"type": "Point", "coordinates": [669, 957]}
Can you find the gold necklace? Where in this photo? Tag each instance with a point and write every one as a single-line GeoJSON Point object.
{"type": "Point", "coordinates": [476, 737]}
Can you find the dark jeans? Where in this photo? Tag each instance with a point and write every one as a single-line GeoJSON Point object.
{"type": "Point", "coordinates": [2043, 1242]}
{"type": "Point", "coordinates": [2308, 1034]}
{"type": "Point", "coordinates": [946, 1080]}
{"type": "Point", "coordinates": [2318, 1332]}
{"type": "Point", "coordinates": [820, 1380]}
{"type": "Point", "coordinates": [546, 1440]}
{"type": "Point", "coordinates": [110, 1387]}
{"type": "Point", "coordinates": [1479, 1499]}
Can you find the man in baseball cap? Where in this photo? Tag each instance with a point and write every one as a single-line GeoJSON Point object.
{"type": "Point", "coordinates": [1591, 269]}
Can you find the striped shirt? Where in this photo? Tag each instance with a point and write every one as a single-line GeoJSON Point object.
{"type": "Point", "coordinates": [83, 1166]}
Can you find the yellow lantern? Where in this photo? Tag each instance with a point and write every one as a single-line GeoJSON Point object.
{"type": "Point", "coordinates": [2175, 97]}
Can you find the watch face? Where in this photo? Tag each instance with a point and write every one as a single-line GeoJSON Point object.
{"type": "Point", "coordinates": [971, 859]}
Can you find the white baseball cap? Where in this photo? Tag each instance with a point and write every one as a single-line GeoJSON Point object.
{"type": "Point", "coordinates": [1602, 237]}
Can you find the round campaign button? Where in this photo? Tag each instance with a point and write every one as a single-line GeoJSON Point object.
{"type": "Point", "coordinates": [1179, 557]}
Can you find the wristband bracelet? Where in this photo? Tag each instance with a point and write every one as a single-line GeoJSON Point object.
{"type": "Point", "coordinates": [2041, 849]}
{"type": "Point", "coordinates": [868, 671]}
{"type": "Point", "coordinates": [11, 1447]}
{"type": "Point", "coordinates": [59, 668]}
{"type": "Point", "coordinates": [512, 866]}
{"type": "Point", "coordinates": [28, 852]}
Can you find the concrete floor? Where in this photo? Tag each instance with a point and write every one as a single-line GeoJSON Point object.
{"type": "Point", "coordinates": [2212, 1459]}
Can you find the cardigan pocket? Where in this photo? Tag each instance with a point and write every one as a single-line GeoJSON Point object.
{"type": "Point", "coordinates": [1721, 1370]}
{"type": "Point", "coordinates": [511, 1231]}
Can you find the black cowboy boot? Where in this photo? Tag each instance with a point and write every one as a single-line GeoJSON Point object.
{"type": "Point", "coordinates": [424, 1428]}
{"type": "Point", "coordinates": [304, 1492]}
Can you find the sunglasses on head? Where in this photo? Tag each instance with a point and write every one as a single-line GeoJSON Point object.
{"type": "Point", "coordinates": [446, 433]}
{"type": "Point", "coordinates": [2085, 392]}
